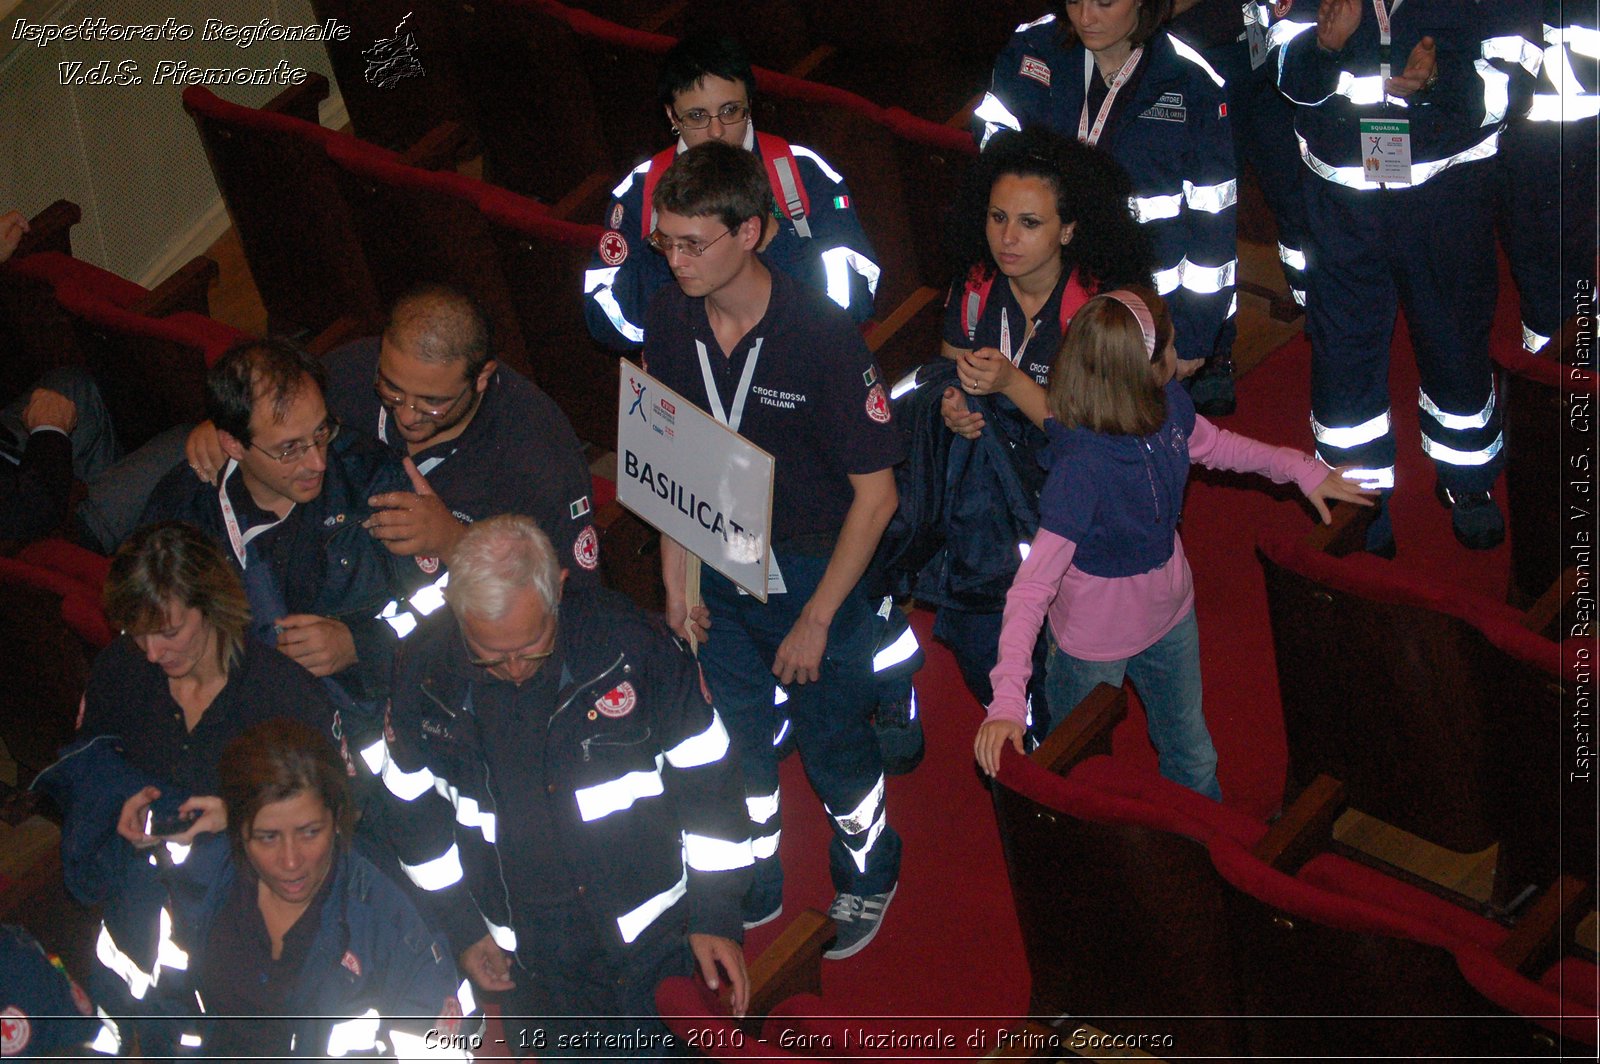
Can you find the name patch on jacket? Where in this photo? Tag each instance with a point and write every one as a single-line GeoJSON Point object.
{"type": "Point", "coordinates": [619, 701]}
{"type": "Point", "coordinates": [1168, 109]}
{"type": "Point", "coordinates": [1037, 69]}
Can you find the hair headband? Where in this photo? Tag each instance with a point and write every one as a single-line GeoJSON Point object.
{"type": "Point", "coordinates": [1141, 314]}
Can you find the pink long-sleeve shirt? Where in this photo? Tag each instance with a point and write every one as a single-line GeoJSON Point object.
{"type": "Point", "coordinates": [1100, 618]}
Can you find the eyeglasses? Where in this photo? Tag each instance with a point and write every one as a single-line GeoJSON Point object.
{"type": "Point", "coordinates": [291, 452]}
{"type": "Point", "coordinates": [692, 248]}
{"type": "Point", "coordinates": [396, 399]}
{"type": "Point", "coordinates": [526, 656]}
{"type": "Point", "coordinates": [729, 114]}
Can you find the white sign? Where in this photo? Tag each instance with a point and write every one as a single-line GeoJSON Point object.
{"type": "Point", "coordinates": [694, 479]}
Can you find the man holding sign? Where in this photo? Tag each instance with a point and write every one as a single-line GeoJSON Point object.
{"type": "Point", "coordinates": [785, 368]}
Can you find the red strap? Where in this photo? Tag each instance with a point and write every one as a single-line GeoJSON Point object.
{"type": "Point", "coordinates": [773, 148]}
{"type": "Point", "coordinates": [1072, 297]}
{"type": "Point", "coordinates": [647, 212]}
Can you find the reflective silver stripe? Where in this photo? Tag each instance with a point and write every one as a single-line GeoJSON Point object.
{"type": "Point", "coordinates": [1212, 199]}
{"type": "Point", "coordinates": [1450, 456]}
{"type": "Point", "coordinates": [1547, 107]}
{"type": "Point", "coordinates": [706, 854]}
{"type": "Point", "coordinates": [600, 282]}
{"type": "Point", "coordinates": [1532, 341]}
{"type": "Point", "coordinates": [168, 953]}
{"type": "Point", "coordinates": [862, 816]}
{"type": "Point", "coordinates": [762, 807]}
{"type": "Point", "coordinates": [375, 755]}
{"type": "Point", "coordinates": [1290, 257]}
{"type": "Point", "coordinates": [1208, 280]}
{"type": "Point", "coordinates": [503, 937]}
{"type": "Point", "coordinates": [399, 618]}
{"type": "Point", "coordinates": [1363, 90]}
{"type": "Point", "coordinates": [1285, 31]}
{"type": "Point", "coordinates": [1514, 49]}
{"type": "Point", "coordinates": [1042, 21]}
{"type": "Point", "coordinates": [779, 696]}
{"type": "Point", "coordinates": [764, 846]}
{"type": "Point", "coordinates": [178, 852]}
{"type": "Point", "coordinates": [407, 786]}
{"type": "Point", "coordinates": [710, 745]}
{"type": "Point", "coordinates": [838, 263]}
{"type": "Point", "coordinates": [429, 598]}
{"type": "Point", "coordinates": [123, 966]}
{"type": "Point", "coordinates": [107, 1040]}
{"type": "Point", "coordinates": [613, 796]}
{"type": "Point", "coordinates": [1496, 92]}
{"type": "Point", "coordinates": [1351, 176]}
{"type": "Point", "coordinates": [903, 385]}
{"type": "Point", "coordinates": [903, 648]}
{"type": "Point", "coordinates": [1299, 295]}
{"type": "Point", "coordinates": [468, 813]}
{"type": "Point", "coordinates": [468, 1000]}
{"type": "Point", "coordinates": [1233, 305]}
{"type": "Point", "coordinates": [1154, 208]}
{"type": "Point", "coordinates": [806, 153]}
{"type": "Point", "coordinates": [1374, 479]}
{"type": "Point", "coordinates": [793, 206]}
{"type": "Point", "coordinates": [1168, 280]}
{"type": "Point", "coordinates": [1457, 421]}
{"type": "Point", "coordinates": [631, 924]}
{"type": "Point", "coordinates": [995, 116]}
{"type": "Point", "coordinates": [441, 872]}
{"type": "Point", "coordinates": [627, 182]}
{"type": "Point", "coordinates": [354, 1036]}
{"type": "Point", "coordinates": [190, 1040]}
{"type": "Point", "coordinates": [1197, 59]}
{"type": "Point", "coordinates": [783, 729]}
{"type": "Point", "coordinates": [861, 856]}
{"type": "Point", "coordinates": [1581, 39]}
{"type": "Point", "coordinates": [1353, 436]}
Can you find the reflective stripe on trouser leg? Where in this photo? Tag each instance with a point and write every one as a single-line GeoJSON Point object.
{"type": "Point", "coordinates": [862, 825]}
{"type": "Point", "coordinates": [766, 823]}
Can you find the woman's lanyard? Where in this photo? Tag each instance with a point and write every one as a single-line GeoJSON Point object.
{"type": "Point", "coordinates": [740, 394]}
{"type": "Point", "coordinates": [1088, 134]}
{"type": "Point", "coordinates": [1384, 13]}
{"type": "Point", "coordinates": [1005, 339]}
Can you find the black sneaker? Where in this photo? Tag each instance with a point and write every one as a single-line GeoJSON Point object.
{"type": "Point", "coordinates": [857, 919]}
{"type": "Point", "coordinates": [762, 918]}
{"type": "Point", "coordinates": [1380, 534]}
{"type": "Point", "coordinates": [1474, 517]}
{"type": "Point", "coordinates": [1212, 388]}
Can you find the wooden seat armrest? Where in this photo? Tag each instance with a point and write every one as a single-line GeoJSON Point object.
{"type": "Point", "coordinates": [884, 331]}
{"type": "Point", "coordinates": [1550, 917]}
{"type": "Point", "coordinates": [791, 965]}
{"type": "Point", "coordinates": [440, 147]}
{"type": "Point", "coordinates": [184, 290]}
{"type": "Point", "coordinates": [50, 229]}
{"type": "Point", "coordinates": [1085, 732]}
{"type": "Point", "coordinates": [1305, 827]}
{"type": "Point", "coordinates": [1542, 615]}
{"type": "Point", "coordinates": [301, 101]}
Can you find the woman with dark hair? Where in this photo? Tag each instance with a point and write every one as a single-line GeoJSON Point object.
{"type": "Point", "coordinates": [183, 679]}
{"type": "Point", "coordinates": [1043, 223]}
{"type": "Point", "coordinates": [1112, 76]}
{"type": "Point", "coordinates": [284, 924]}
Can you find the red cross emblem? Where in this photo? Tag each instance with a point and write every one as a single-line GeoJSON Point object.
{"type": "Point", "coordinates": [619, 701]}
{"type": "Point", "coordinates": [15, 1031]}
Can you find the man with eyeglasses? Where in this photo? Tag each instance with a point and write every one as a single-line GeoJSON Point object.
{"type": "Point", "coordinates": [706, 88]}
{"type": "Point", "coordinates": [779, 364]}
{"type": "Point", "coordinates": [574, 815]}
{"type": "Point", "coordinates": [288, 507]}
{"type": "Point", "coordinates": [481, 438]}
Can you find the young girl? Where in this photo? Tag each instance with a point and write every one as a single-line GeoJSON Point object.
{"type": "Point", "coordinates": [1042, 224]}
{"type": "Point", "coordinates": [1107, 564]}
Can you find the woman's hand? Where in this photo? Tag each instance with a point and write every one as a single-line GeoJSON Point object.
{"type": "Point", "coordinates": [992, 738]}
{"type": "Point", "coordinates": [210, 817]}
{"type": "Point", "coordinates": [130, 824]}
{"type": "Point", "coordinates": [1335, 486]}
{"type": "Point", "coordinates": [985, 371]}
{"type": "Point", "coordinates": [957, 418]}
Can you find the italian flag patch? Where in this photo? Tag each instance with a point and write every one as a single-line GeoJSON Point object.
{"type": "Point", "coordinates": [841, 202]}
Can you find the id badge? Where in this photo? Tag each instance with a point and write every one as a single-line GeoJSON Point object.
{"type": "Point", "coordinates": [1255, 34]}
{"type": "Point", "coordinates": [1386, 151]}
